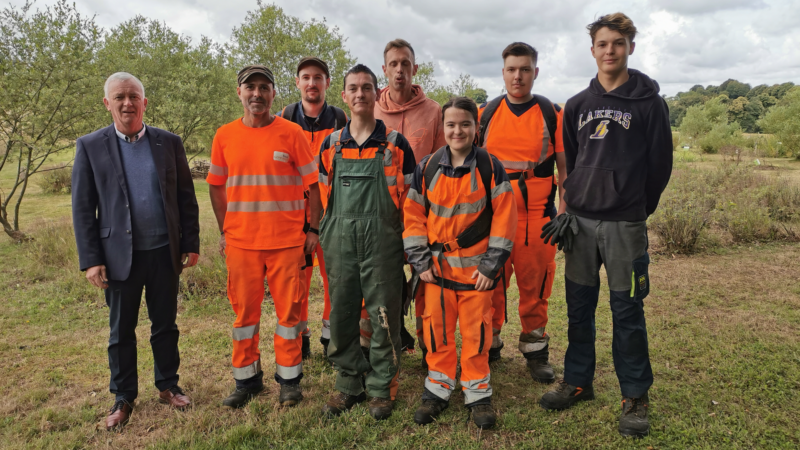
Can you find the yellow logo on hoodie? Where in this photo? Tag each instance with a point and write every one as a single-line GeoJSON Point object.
{"type": "Point", "coordinates": [601, 131]}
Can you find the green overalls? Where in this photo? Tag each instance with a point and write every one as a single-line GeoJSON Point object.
{"type": "Point", "coordinates": [361, 236]}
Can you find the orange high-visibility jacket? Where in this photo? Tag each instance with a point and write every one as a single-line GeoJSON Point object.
{"type": "Point", "coordinates": [457, 196]}
{"type": "Point", "coordinates": [398, 160]}
{"type": "Point", "coordinates": [266, 170]}
{"type": "Point", "coordinates": [521, 142]}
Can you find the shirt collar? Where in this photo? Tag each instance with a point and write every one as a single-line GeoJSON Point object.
{"type": "Point", "coordinates": [446, 158]}
{"type": "Point", "coordinates": [131, 139]}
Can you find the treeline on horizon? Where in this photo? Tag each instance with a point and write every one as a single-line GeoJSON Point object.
{"type": "Point", "coordinates": [746, 105]}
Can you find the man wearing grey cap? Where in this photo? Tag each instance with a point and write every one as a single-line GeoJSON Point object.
{"type": "Point", "coordinates": [261, 165]}
{"type": "Point", "coordinates": [318, 120]}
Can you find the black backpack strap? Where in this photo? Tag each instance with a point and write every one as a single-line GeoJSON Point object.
{"type": "Point", "coordinates": [549, 115]}
{"type": "Point", "coordinates": [483, 224]}
{"type": "Point", "coordinates": [288, 112]}
{"type": "Point", "coordinates": [341, 118]}
{"type": "Point", "coordinates": [429, 172]}
{"type": "Point", "coordinates": [486, 117]}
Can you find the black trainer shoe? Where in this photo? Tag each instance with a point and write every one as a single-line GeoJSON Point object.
{"type": "Point", "coordinates": [290, 395]}
{"type": "Point", "coordinates": [494, 353]}
{"type": "Point", "coordinates": [483, 416]}
{"type": "Point", "coordinates": [341, 402]}
{"type": "Point", "coordinates": [241, 397]}
{"type": "Point", "coordinates": [306, 349]}
{"type": "Point", "coordinates": [324, 343]}
{"type": "Point", "coordinates": [541, 371]}
{"type": "Point", "coordinates": [633, 420]}
{"type": "Point", "coordinates": [429, 410]}
{"type": "Point", "coordinates": [565, 395]}
{"type": "Point", "coordinates": [380, 408]}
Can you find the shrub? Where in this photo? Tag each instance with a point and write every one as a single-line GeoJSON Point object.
{"type": "Point", "coordinates": [678, 224]}
{"type": "Point", "coordinates": [56, 181]}
{"type": "Point", "coordinates": [54, 245]}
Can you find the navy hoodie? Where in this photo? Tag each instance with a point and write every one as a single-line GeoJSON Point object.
{"type": "Point", "coordinates": [618, 147]}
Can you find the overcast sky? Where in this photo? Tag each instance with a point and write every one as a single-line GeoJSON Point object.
{"type": "Point", "coordinates": [680, 42]}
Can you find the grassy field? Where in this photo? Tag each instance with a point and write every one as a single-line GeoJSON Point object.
{"type": "Point", "coordinates": [724, 329]}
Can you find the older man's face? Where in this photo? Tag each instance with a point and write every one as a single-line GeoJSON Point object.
{"type": "Point", "coordinates": [127, 105]}
{"type": "Point", "coordinates": [256, 94]}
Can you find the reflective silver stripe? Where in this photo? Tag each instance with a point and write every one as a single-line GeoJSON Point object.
{"type": "Point", "coordinates": [391, 181]}
{"type": "Point", "coordinates": [435, 178]}
{"type": "Point", "coordinates": [459, 208]}
{"type": "Point", "coordinates": [264, 180]}
{"type": "Point", "coordinates": [307, 169]}
{"type": "Point", "coordinates": [316, 159]}
{"type": "Point", "coordinates": [408, 178]}
{"type": "Point", "coordinates": [326, 324]}
{"type": "Point", "coordinates": [334, 137]}
{"type": "Point", "coordinates": [291, 332]}
{"type": "Point", "coordinates": [461, 262]}
{"type": "Point", "coordinates": [502, 243]}
{"type": "Point", "coordinates": [545, 140]}
{"type": "Point", "coordinates": [323, 179]}
{"type": "Point", "coordinates": [534, 341]}
{"type": "Point", "coordinates": [387, 157]}
{"type": "Point", "coordinates": [415, 241]}
{"type": "Point", "coordinates": [289, 205]}
{"type": "Point", "coordinates": [474, 174]}
{"type": "Point", "coordinates": [518, 165]}
{"type": "Point", "coordinates": [496, 341]}
{"type": "Point", "coordinates": [392, 137]}
{"type": "Point", "coordinates": [501, 188]}
{"type": "Point", "coordinates": [218, 170]}
{"type": "Point", "coordinates": [416, 196]}
{"type": "Point", "coordinates": [248, 332]}
{"type": "Point", "coordinates": [472, 391]}
{"type": "Point", "coordinates": [288, 373]}
{"type": "Point", "coordinates": [439, 384]}
{"type": "Point", "coordinates": [248, 371]}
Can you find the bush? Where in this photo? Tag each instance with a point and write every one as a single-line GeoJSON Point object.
{"type": "Point", "coordinates": [679, 224]}
{"type": "Point", "coordinates": [722, 135]}
{"type": "Point", "coordinates": [56, 181]}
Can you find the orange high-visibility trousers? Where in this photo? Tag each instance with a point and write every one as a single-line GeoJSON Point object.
{"type": "Point", "coordinates": [535, 267]}
{"type": "Point", "coordinates": [473, 311]}
{"type": "Point", "coordinates": [246, 272]}
{"type": "Point", "coordinates": [326, 311]}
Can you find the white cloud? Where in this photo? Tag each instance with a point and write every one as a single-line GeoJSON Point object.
{"type": "Point", "coordinates": [680, 42]}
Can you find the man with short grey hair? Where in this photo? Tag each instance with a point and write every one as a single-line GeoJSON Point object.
{"type": "Point", "coordinates": [136, 226]}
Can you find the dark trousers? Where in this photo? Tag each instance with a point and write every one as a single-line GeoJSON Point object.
{"type": "Point", "coordinates": [152, 271]}
{"type": "Point", "coordinates": [622, 248]}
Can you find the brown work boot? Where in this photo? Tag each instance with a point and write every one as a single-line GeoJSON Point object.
{"type": "Point", "coordinates": [483, 416]}
{"type": "Point", "coordinates": [290, 395]}
{"type": "Point", "coordinates": [175, 398]}
{"type": "Point", "coordinates": [341, 402]}
{"type": "Point", "coordinates": [119, 415]}
{"type": "Point", "coordinates": [380, 408]}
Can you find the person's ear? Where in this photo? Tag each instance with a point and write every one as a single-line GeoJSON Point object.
{"type": "Point", "coordinates": [414, 71]}
{"type": "Point", "coordinates": [633, 46]}
{"type": "Point", "coordinates": [327, 83]}
{"type": "Point", "coordinates": [297, 82]}
{"type": "Point", "coordinates": [535, 73]}
{"type": "Point", "coordinates": [107, 103]}
{"type": "Point", "coordinates": [145, 104]}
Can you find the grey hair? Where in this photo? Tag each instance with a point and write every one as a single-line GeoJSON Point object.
{"type": "Point", "coordinates": [121, 76]}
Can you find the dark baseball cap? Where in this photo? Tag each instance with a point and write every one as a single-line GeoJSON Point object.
{"type": "Point", "coordinates": [248, 71]}
{"type": "Point", "coordinates": [315, 61]}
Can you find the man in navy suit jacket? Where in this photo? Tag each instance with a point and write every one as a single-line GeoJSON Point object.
{"type": "Point", "coordinates": [136, 225]}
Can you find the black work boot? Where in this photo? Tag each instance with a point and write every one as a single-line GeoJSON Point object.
{"type": "Point", "coordinates": [565, 395]}
{"type": "Point", "coordinates": [539, 366]}
{"type": "Point", "coordinates": [633, 420]}
{"type": "Point", "coordinates": [380, 408]}
{"type": "Point", "coordinates": [429, 410]}
{"type": "Point", "coordinates": [483, 416]}
{"type": "Point", "coordinates": [341, 402]}
{"type": "Point", "coordinates": [324, 343]}
{"type": "Point", "coordinates": [306, 349]}
{"type": "Point", "coordinates": [290, 395]}
{"type": "Point", "coordinates": [494, 351]}
{"type": "Point", "coordinates": [242, 396]}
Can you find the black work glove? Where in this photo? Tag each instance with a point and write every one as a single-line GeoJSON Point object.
{"type": "Point", "coordinates": [551, 231]}
{"type": "Point", "coordinates": [568, 232]}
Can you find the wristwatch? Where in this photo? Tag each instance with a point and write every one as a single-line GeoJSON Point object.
{"type": "Point", "coordinates": [313, 230]}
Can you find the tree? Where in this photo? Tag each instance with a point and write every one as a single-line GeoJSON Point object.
{"type": "Point", "coordinates": [782, 121]}
{"type": "Point", "coordinates": [190, 90]}
{"type": "Point", "coordinates": [271, 37]}
{"type": "Point", "coordinates": [779, 90]}
{"type": "Point", "coordinates": [463, 84]}
{"type": "Point", "coordinates": [708, 125]}
{"type": "Point", "coordinates": [50, 93]}
{"type": "Point", "coordinates": [479, 95]}
{"type": "Point", "coordinates": [735, 89]}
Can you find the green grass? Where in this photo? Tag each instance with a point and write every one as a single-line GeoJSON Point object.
{"type": "Point", "coordinates": [723, 331]}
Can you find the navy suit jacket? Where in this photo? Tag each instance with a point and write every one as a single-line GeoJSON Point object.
{"type": "Point", "coordinates": [101, 213]}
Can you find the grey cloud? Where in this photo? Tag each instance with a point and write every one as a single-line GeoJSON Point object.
{"type": "Point", "coordinates": [693, 7]}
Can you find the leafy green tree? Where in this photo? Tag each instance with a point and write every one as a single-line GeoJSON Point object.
{"type": "Point", "coordinates": [190, 90]}
{"type": "Point", "coordinates": [779, 90]}
{"type": "Point", "coordinates": [707, 125]}
{"type": "Point", "coordinates": [479, 95]}
{"type": "Point", "coordinates": [463, 84]}
{"type": "Point", "coordinates": [782, 121]}
{"type": "Point", "coordinates": [49, 92]}
{"type": "Point", "coordinates": [767, 101]}
{"type": "Point", "coordinates": [734, 88]}
{"type": "Point", "coordinates": [440, 95]}
{"type": "Point", "coordinates": [271, 37]}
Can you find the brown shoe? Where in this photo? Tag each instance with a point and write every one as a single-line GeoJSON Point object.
{"type": "Point", "coordinates": [119, 414]}
{"type": "Point", "coordinates": [175, 398]}
{"type": "Point", "coordinates": [380, 408]}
